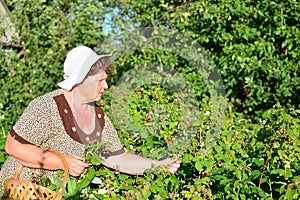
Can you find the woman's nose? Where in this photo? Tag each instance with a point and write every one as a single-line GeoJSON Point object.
{"type": "Point", "coordinates": [105, 86]}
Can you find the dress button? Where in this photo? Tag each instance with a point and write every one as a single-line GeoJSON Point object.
{"type": "Point", "coordinates": [73, 129]}
{"type": "Point", "coordinates": [98, 133]}
{"type": "Point", "coordinates": [87, 139]}
{"type": "Point", "coordinates": [99, 115]}
{"type": "Point", "coordinates": [66, 111]}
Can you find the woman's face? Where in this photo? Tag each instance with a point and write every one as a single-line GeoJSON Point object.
{"type": "Point", "coordinates": [93, 86]}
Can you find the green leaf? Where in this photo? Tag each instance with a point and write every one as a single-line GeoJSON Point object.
{"type": "Point", "coordinates": [278, 171]}
{"type": "Point", "coordinates": [87, 179]}
{"type": "Point", "coordinates": [258, 161]}
{"type": "Point", "coordinates": [276, 145]}
{"type": "Point", "coordinates": [255, 174]}
{"type": "Point", "coordinates": [186, 158]}
{"type": "Point", "coordinates": [99, 196]}
{"type": "Point", "coordinates": [199, 166]}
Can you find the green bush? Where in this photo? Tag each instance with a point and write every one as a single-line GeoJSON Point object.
{"type": "Point", "coordinates": [249, 161]}
{"type": "Point", "coordinates": [254, 44]}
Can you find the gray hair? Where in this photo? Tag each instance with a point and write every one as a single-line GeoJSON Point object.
{"type": "Point", "coordinates": [105, 64]}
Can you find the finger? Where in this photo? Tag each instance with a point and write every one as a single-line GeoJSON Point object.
{"type": "Point", "coordinates": [173, 169]}
{"type": "Point", "coordinates": [78, 161]}
{"type": "Point", "coordinates": [76, 171]}
{"type": "Point", "coordinates": [168, 161]}
{"type": "Point", "coordinates": [79, 158]}
{"type": "Point", "coordinates": [176, 161]}
{"type": "Point", "coordinates": [80, 171]}
{"type": "Point", "coordinates": [177, 165]}
{"type": "Point", "coordinates": [82, 164]}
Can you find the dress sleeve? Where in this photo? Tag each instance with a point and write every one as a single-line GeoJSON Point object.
{"type": "Point", "coordinates": [110, 136]}
{"type": "Point", "coordinates": [35, 122]}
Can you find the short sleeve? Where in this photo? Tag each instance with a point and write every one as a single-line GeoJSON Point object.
{"type": "Point", "coordinates": [34, 125]}
{"type": "Point", "coordinates": [110, 136]}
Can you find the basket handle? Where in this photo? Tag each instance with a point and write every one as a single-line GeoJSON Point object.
{"type": "Point", "coordinates": [65, 166]}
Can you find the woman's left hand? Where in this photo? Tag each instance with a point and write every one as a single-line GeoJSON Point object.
{"type": "Point", "coordinates": [170, 165]}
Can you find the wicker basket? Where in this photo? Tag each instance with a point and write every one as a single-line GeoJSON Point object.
{"type": "Point", "coordinates": [15, 188]}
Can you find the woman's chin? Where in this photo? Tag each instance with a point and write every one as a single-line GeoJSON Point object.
{"type": "Point", "coordinates": [98, 97]}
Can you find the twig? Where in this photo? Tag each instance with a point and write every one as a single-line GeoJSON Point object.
{"type": "Point", "coordinates": [265, 165]}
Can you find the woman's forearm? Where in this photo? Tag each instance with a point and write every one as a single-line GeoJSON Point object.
{"type": "Point", "coordinates": [32, 156]}
{"type": "Point", "coordinates": [130, 163]}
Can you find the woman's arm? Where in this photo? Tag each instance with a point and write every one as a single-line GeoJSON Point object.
{"type": "Point", "coordinates": [133, 164]}
{"type": "Point", "coordinates": [34, 157]}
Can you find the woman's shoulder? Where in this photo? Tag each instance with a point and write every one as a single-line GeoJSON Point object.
{"type": "Point", "coordinates": [48, 96]}
{"type": "Point", "coordinates": [44, 100]}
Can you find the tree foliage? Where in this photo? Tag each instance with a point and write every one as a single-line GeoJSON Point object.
{"type": "Point", "coordinates": [254, 44]}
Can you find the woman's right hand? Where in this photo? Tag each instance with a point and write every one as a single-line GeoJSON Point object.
{"type": "Point", "coordinates": [34, 157]}
{"type": "Point", "coordinates": [75, 164]}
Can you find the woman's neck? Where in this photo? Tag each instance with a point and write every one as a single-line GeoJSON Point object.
{"type": "Point", "coordinates": [83, 111]}
{"type": "Point", "coordinates": [77, 101]}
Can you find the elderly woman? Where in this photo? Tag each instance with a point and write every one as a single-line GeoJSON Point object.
{"type": "Point", "coordinates": [66, 120]}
